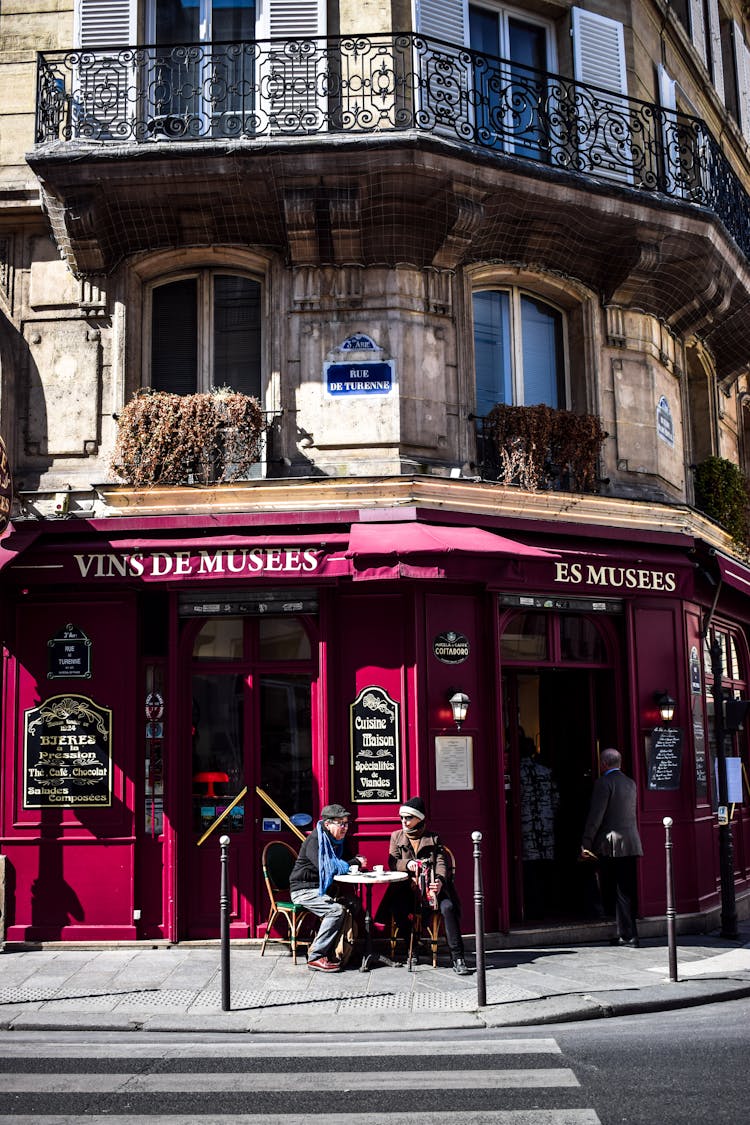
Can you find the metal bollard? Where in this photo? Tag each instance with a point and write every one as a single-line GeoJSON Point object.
{"type": "Point", "coordinates": [671, 914]}
{"type": "Point", "coordinates": [479, 920]}
{"type": "Point", "coordinates": [224, 924]}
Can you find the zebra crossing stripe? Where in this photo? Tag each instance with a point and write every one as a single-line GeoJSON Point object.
{"type": "Point", "coordinates": [472, 1117]}
{"type": "Point", "coordinates": [270, 1082]}
{"type": "Point", "coordinates": [14, 1047]}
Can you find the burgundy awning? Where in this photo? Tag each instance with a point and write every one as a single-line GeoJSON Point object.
{"type": "Point", "coordinates": [378, 550]}
{"type": "Point", "coordinates": [734, 574]}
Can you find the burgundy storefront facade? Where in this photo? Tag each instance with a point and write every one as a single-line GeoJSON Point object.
{"type": "Point", "coordinates": [154, 667]}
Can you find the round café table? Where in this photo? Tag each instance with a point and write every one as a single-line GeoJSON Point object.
{"type": "Point", "coordinates": [368, 879]}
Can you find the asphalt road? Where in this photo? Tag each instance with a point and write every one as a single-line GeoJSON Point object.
{"type": "Point", "coordinates": [662, 1069]}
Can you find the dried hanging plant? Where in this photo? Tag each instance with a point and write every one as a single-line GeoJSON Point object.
{"type": "Point", "coordinates": [170, 439]}
{"type": "Point", "coordinates": [539, 447]}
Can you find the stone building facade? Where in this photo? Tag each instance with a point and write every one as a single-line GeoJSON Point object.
{"type": "Point", "coordinates": [381, 220]}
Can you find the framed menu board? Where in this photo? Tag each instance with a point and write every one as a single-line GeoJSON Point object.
{"type": "Point", "coordinates": [665, 758]}
{"type": "Point", "coordinates": [67, 754]}
{"type": "Point", "coordinates": [375, 746]}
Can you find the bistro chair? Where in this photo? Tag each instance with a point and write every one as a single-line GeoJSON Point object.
{"type": "Point", "coordinates": [278, 861]}
{"type": "Point", "coordinates": [427, 923]}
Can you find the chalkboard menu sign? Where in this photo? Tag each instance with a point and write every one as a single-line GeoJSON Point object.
{"type": "Point", "coordinates": [374, 740]}
{"type": "Point", "coordinates": [67, 754]}
{"type": "Point", "coordinates": [665, 758]}
{"type": "Point", "coordinates": [69, 655]}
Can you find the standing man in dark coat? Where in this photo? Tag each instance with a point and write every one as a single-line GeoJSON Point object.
{"type": "Point", "coordinates": [611, 835]}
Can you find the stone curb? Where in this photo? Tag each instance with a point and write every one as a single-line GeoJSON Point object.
{"type": "Point", "coordinates": [527, 1013]}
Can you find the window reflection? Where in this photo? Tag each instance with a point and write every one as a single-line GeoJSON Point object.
{"type": "Point", "coordinates": [580, 640]}
{"type": "Point", "coordinates": [218, 772]}
{"type": "Point", "coordinates": [219, 639]}
{"type": "Point", "coordinates": [286, 741]}
{"type": "Point", "coordinates": [283, 638]}
{"type": "Point", "coordinates": [525, 637]}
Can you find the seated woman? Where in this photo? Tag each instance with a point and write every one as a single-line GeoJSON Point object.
{"type": "Point", "coordinates": [420, 852]}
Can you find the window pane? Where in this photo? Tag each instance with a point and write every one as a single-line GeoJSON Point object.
{"type": "Point", "coordinates": [733, 658]}
{"type": "Point", "coordinates": [542, 353]}
{"type": "Point", "coordinates": [218, 771]}
{"type": "Point", "coordinates": [286, 742]}
{"type": "Point", "coordinates": [233, 20]}
{"type": "Point", "coordinates": [174, 337]}
{"type": "Point", "coordinates": [525, 637]}
{"type": "Point", "coordinates": [580, 641]}
{"type": "Point", "coordinates": [492, 354]}
{"type": "Point", "coordinates": [283, 638]}
{"type": "Point", "coordinates": [484, 33]}
{"type": "Point", "coordinates": [219, 639]}
{"type": "Point", "coordinates": [177, 22]}
{"type": "Point", "coordinates": [237, 334]}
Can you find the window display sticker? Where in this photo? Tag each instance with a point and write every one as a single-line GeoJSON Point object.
{"type": "Point", "coordinates": [454, 762]}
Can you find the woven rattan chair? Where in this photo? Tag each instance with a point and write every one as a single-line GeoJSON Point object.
{"type": "Point", "coordinates": [278, 861]}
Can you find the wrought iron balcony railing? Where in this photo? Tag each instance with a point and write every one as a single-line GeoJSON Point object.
{"type": "Point", "coordinates": [362, 85]}
{"type": "Point", "coordinates": [561, 456]}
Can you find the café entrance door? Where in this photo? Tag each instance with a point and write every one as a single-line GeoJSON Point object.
{"type": "Point", "coordinates": [561, 707]}
{"type": "Point", "coordinates": [250, 725]}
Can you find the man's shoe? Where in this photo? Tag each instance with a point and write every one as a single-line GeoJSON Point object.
{"type": "Point", "coordinates": [633, 942]}
{"type": "Point", "coordinates": [460, 968]}
{"type": "Point", "coordinates": [323, 965]}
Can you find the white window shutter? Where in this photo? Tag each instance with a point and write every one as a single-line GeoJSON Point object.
{"type": "Point", "coordinates": [105, 23]}
{"type": "Point", "coordinates": [667, 88]}
{"type": "Point", "coordinates": [599, 51]}
{"type": "Point", "coordinates": [698, 28]}
{"type": "Point", "coordinates": [443, 19]}
{"type": "Point", "coordinates": [742, 63]}
{"type": "Point", "coordinates": [291, 85]}
{"type": "Point", "coordinates": [291, 19]}
{"type": "Point", "coordinates": [103, 81]}
{"type": "Point", "coordinates": [713, 46]}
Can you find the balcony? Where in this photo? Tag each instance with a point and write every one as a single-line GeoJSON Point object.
{"type": "Point", "coordinates": [540, 449]}
{"type": "Point", "coordinates": [472, 157]}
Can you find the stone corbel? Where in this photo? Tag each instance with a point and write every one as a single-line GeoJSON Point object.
{"type": "Point", "coordinates": [708, 303]}
{"type": "Point", "coordinates": [301, 227]}
{"type": "Point", "coordinates": [639, 276]}
{"type": "Point", "coordinates": [346, 227]}
{"type": "Point", "coordinates": [468, 218]}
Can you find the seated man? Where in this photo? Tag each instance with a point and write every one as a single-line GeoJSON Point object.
{"type": "Point", "coordinates": [416, 850]}
{"type": "Point", "coordinates": [324, 855]}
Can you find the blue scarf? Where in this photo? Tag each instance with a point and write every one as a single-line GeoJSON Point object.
{"type": "Point", "coordinates": [330, 863]}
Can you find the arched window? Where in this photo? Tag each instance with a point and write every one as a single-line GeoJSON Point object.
{"type": "Point", "coordinates": [519, 350]}
{"type": "Point", "coordinates": [206, 332]}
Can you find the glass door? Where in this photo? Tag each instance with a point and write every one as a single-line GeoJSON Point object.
{"type": "Point", "coordinates": [250, 712]}
{"type": "Point", "coordinates": [510, 98]}
{"type": "Point", "coordinates": [203, 73]}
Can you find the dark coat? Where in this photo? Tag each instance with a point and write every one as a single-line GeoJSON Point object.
{"type": "Point", "coordinates": [612, 825]}
{"type": "Point", "coordinates": [306, 871]}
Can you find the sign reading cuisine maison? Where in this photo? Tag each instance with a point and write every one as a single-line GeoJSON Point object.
{"type": "Point", "coordinates": [374, 742]}
{"type": "Point", "coordinates": [67, 752]}
{"type": "Point", "coordinates": [69, 655]}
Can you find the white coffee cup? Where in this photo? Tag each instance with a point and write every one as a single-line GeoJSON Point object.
{"type": "Point", "coordinates": [378, 869]}
{"type": "Point", "coordinates": [353, 868]}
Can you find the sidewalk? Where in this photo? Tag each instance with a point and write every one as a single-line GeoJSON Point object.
{"type": "Point", "coordinates": [178, 988]}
